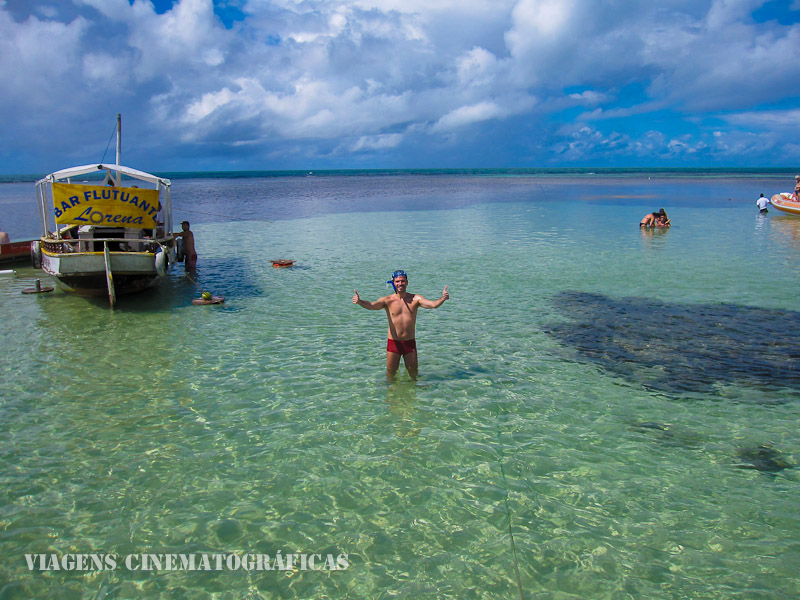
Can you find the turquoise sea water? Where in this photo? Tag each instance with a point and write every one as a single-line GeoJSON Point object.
{"type": "Point", "coordinates": [589, 397]}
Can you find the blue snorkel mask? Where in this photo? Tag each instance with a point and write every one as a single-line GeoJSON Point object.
{"type": "Point", "coordinates": [396, 274]}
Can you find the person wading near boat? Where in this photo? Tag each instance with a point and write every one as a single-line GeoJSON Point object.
{"type": "Point", "coordinates": [401, 310]}
{"type": "Point", "coordinates": [761, 203]}
{"type": "Point", "coordinates": [4, 239]}
{"type": "Point", "coordinates": [188, 246]}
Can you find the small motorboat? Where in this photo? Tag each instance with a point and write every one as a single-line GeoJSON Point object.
{"type": "Point", "coordinates": [784, 202]}
{"type": "Point", "coordinates": [281, 263]}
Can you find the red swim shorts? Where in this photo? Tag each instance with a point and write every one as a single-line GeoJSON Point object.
{"type": "Point", "coordinates": [401, 347]}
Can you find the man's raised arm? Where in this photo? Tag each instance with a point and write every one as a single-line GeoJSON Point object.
{"type": "Point", "coordinates": [377, 305]}
{"type": "Point", "coordinates": [425, 303]}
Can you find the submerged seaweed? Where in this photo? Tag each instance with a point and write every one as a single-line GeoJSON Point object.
{"type": "Point", "coordinates": [762, 458]}
{"type": "Point", "coordinates": [678, 348]}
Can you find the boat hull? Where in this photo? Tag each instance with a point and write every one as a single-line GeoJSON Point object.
{"type": "Point", "coordinates": [784, 203]}
{"type": "Point", "coordinates": [84, 273]}
{"type": "Point", "coordinates": [15, 251]}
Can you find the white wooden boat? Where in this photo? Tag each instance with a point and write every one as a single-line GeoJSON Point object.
{"type": "Point", "coordinates": [784, 202]}
{"type": "Point", "coordinates": [106, 228]}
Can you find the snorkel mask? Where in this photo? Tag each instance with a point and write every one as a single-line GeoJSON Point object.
{"type": "Point", "coordinates": [396, 274]}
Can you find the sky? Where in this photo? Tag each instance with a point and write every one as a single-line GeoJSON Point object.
{"type": "Point", "coordinates": [354, 84]}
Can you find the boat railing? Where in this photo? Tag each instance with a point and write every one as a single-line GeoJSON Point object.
{"type": "Point", "coordinates": [68, 245]}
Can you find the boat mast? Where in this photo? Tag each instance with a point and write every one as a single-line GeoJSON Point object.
{"type": "Point", "coordinates": [119, 138]}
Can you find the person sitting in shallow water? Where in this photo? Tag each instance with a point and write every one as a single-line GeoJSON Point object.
{"type": "Point", "coordinates": [656, 219]}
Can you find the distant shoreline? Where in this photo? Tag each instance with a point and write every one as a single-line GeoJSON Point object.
{"type": "Point", "coordinates": [744, 172]}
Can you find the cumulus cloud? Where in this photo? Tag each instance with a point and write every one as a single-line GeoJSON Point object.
{"type": "Point", "coordinates": [476, 67]}
{"type": "Point", "coordinates": [30, 68]}
{"type": "Point", "coordinates": [537, 23]}
{"type": "Point", "coordinates": [589, 97]}
{"type": "Point", "coordinates": [581, 143]}
{"type": "Point", "coordinates": [296, 80]}
{"type": "Point", "coordinates": [467, 115]}
{"type": "Point", "coordinates": [377, 142]}
{"type": "Point", "coordinates": [772, 120]}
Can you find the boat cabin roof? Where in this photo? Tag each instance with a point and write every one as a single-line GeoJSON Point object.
{"type": "Point", "coordinates": [119, 169]}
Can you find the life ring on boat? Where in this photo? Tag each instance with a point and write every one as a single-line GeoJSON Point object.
{"type": "Point", "coordinates": [36, 254]}
{"type": "Point", "coordinates": [162, 262]}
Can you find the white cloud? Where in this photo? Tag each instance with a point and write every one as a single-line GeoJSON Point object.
{"type": "Point", "coordinates": [537, 22]}
{"type": "Point", "coordinates": [109, 8]}
{"type": "Point", "coordinates": [582, 143]}
{"type": "Point", "coordinates": [336, 23]}
{"type": "Point", "coordinates": [775, 120]}
{"type": "Point", "coordinates": [589, 98]}
{"type": "Point", "coordinates": [49, 12]}
{"type": "Point", "coordinates": [727, 13]}
{"type": "Point", "coordinates": [105, 69]}
{"type": "Point", "coordinates": [34, 72]}
{"type": "Point", "coordinates": [477, 67]}
{"type": "Point", "coordinates": [377, 142]}
{"type": "Point", "coordinates": [467, 115]}
{"type": "Point", "coordinates": [207, 104]}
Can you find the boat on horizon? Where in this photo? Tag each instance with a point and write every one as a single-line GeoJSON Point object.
{"type": "Point", "coordinates": [784, 202]}
{"type": "Point", "coordinates": [106, 228]}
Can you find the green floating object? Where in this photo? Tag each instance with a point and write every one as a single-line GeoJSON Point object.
{"type": "Point", "coordinates": [212, 300]}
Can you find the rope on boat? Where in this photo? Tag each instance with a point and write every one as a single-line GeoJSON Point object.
{"type": "Point", "coordinates": [109, 143]}
{"type": "Point", "coordinates": [197, 285]}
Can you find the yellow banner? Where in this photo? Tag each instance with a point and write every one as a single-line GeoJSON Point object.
{"type": "Point", "coordinates": [105, 205]}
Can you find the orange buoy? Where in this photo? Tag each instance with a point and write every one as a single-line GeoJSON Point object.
{"type": "Point", "coordinates": [282, 262]}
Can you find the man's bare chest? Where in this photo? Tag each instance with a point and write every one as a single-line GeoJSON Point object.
{"type": "Point", "coordinates": [404, 307]}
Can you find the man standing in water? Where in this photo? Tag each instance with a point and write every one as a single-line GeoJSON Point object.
{"type": "Point", "coordinates": [188, 246]}
{"type": "Point", "coordinates": [401, 309]}
{"type": "Point", "coordinates": [761, 203]}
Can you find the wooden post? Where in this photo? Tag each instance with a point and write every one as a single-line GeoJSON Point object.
{"type": "Point", "coordinates": [112, 296]}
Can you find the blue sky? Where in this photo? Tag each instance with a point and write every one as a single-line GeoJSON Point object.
{"type": "Point", "coordinates": [314, 84]}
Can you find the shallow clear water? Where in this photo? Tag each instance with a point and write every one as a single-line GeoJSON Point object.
{"type": "Point", "coordinates": [579, 428]}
